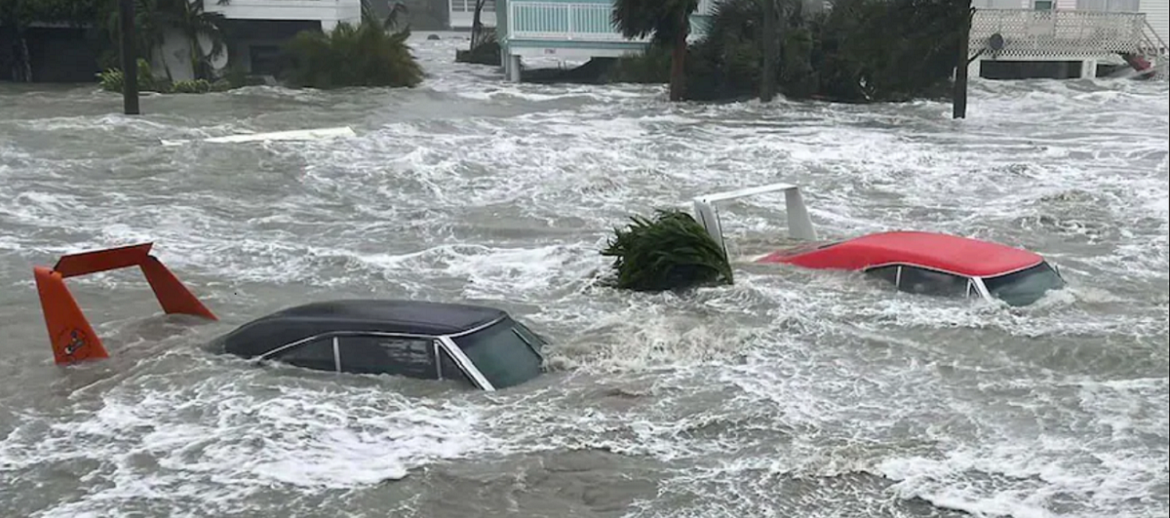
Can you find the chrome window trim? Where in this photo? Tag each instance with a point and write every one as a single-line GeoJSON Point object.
{"type": "Point", "coordinates": [526, 342]}
{"type": "Point", "coordinates": [336, 354]}
{"type": "Point", "coordinates": [465, 363]}
{"type": "Point", "coordinates": [982, 289]}
{"type": "Point", "coordinates": [340, 334]}
{"type": "Point", "coordinates": [478, 328]}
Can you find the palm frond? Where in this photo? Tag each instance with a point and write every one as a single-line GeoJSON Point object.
{"type": "Point", "coordinates": [671, 251]}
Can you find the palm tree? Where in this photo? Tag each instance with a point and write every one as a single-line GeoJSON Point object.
{"type": "Point", "coordinates": [477, 32]}
{"type": "Point", "coordinates": [190, 18]}
{"type": "Point", "coordinates": [393, 21]}
{"type": "Point", "coordinates": [669, 21]}
{"type": "Point", "coordinates": [153, 17]}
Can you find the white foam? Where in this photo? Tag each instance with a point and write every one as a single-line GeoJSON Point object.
{"type": "Point", "coordinates": [311, 437]}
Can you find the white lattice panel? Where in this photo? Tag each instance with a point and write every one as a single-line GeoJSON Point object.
{"type": "Point", "coordinates": [1057, 34]}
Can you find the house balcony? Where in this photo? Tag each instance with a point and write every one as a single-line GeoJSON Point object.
{"type": "Point", "coordinates": [1060, 43]}
{"type": "Point", "coordinates": [1060, 34]}
{"type": "Point", "coordinates": [581, 21]}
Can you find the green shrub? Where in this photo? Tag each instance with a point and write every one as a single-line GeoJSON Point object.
{"type": "Point", "coordinates": [365, 55]}
{"type": "Point", "coordinates": [652, 66]}
{"type": "Point", "coordinates": [859, 51]}
{"type": "Point", "coordinates": [111, 79]}
{"type": "Point", "coordinates": [197, 86]}
{"type": "Point", "coordinates": [670, 252]}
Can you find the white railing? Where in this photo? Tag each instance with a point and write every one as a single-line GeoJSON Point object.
{"type": "Point", "coordinates": [578, 21]}
{"type": "Point", "coordinates": [322, 10]}
{"type": "Point", "coordinates": [468, 6]}
{"type": "Point", "coordinates": [563, 21]}
{"type": "Point", "coordinates": [1058, 33]}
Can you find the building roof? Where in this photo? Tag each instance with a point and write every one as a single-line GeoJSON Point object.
{"type": "Point", "coordinates": [375, 315]}
{"type": "Point", "coordinates": [959, 255]}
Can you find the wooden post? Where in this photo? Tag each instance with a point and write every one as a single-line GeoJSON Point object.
{"type": "Point", "coordinates": [129, 58]}
{"type": "Point", "coordinates": [768, 79]}
{"type": "Point", "coordinates": [959, 102]}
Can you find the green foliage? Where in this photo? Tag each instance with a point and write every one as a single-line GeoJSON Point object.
{"type": "Point", "coordinates": [889, 50]}
{"type": "Point", "coordinates": [662, 19]}
{"type": "Point", "coordinates": [485, 49]}
{"type": "Point", "coordinates": [23, 12]}
{"type": "Point", "coordinates": [668, 23]}
{"type": "Point", "coordinates": [111, 79]}
{"type": "Point", "coordinates": [860, 51]}
{"type": "Point", "coordinates": [366, 55]}
{"type": "Point", "coordinates": [397, 19]}
{"type": "Point", "coordinates": [197, 86]}
{"type": "Point", "coordinates": [152, 18]}
{"type": "Point", "coordinates": [798, 79]}
{"type": "Point", "coordinates": [670, 252]}
{"type": "Point", "coordinates": [651, 67]}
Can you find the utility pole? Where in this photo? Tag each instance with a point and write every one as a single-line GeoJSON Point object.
{"type": "Point", "coordinates": [768, 81]}
{"type": "Point", "coordinates": [959, 101]}
{"type": "Point", "coordinates": [129, 58]}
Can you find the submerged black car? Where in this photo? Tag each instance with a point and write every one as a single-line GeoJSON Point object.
{"type": "Point", "coordinates": [481, 346]}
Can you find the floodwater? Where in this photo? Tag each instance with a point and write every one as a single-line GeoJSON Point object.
{"type": "Point", "coordinates": [790, 394]}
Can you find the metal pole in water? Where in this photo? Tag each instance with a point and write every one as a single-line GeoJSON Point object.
{"type": "Point", "coordinates": [129, 58]}
{"type": "Point", "coordinates": [959, 101]}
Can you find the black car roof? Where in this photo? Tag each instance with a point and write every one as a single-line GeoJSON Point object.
{"type": "Point", "coordinates": [399, 316]}
{"type": "Point", "coordinates": [375, 315]}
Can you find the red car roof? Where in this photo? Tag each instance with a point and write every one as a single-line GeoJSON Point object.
{"type": "Point", "coordinates": [959, 255]}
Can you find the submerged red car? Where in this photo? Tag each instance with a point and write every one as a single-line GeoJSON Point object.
{"type": "Point", "coordinates": [916, 262]}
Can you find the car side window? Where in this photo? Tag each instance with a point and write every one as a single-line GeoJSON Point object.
{"type": "Point", "coordinates": [317, 355]}
{"type": "Point", "coordinates": [413, 357]}
{"type": "Point", "coordinates": [886, 273]}
{"type": "Point", "coordinates": [929, 282]}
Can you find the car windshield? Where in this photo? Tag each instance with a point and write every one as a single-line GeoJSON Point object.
{"type": "Point", "coordinates": [1025, 286]}
{"type": "Point", "coordinates": [507, 353]}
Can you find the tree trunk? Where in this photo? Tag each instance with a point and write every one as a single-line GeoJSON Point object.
{"type": "Point", "coordinates": [476, 25]}
{"type": "Point", "coordinates": [959, 99]}
{"type": "Point", "coordinates": [25, 60]}
{"type": "Point", "coordinates": [678, 78]}
{"type": "Point", "coordinates": [768, 79]}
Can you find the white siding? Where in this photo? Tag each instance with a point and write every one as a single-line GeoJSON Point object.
{"type": "Point", "coordinates": [1001, 4]}
{"type": "Point", "coordinates": [1066, 4]}
{"type": "Point", "coordinates": [1113, 6]}
{"type": "Point", "coordinates": [462, 14]}
{"type": "Point", "coordinates": [1158, 14]}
